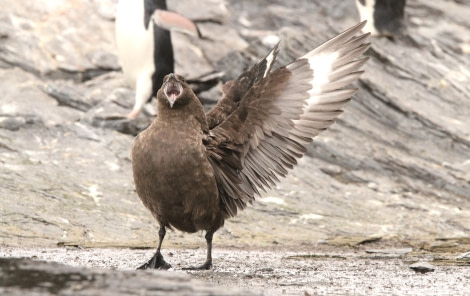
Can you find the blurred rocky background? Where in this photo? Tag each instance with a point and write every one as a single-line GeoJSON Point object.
{"type": "Point", "coordinates": [395, 166]}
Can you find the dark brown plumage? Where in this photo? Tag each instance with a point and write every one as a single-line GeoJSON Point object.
{"type": "Point", "coordinates": [194, 170]}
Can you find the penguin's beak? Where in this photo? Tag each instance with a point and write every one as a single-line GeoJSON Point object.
{"type": "Point", "coordinates": [172, 21]}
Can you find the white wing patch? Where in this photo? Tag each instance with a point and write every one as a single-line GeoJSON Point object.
{"type": "Point", "coordinates": [269, 60]}
{"type": "Point", "coordinates": [331, 68]}
{"type": "Point", "coordinates": [322, 66]}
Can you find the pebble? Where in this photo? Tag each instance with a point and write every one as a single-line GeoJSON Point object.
{"type": "Point", "coordinates": [422, 267]}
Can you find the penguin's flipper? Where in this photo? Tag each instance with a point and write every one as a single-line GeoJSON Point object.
{"type": "Point", "coordinates": [173, 21]}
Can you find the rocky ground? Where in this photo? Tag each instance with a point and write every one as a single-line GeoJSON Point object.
{"type": "Point", "coordinates": [395, 167]}
{"type": "Point", "coordinates": [319, 270]}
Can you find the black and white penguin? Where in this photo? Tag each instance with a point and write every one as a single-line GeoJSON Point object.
{"type": "Point", "coordinates": [384, 17]}
{"type": "Point", "coordinates": [144, 45]}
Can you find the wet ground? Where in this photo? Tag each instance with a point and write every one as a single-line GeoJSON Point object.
{"type": "Point", "coordinates": [373, 269]}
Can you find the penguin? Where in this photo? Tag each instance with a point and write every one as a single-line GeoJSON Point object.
{"type": "Point", "coordinates": [384, 17]}
{"type": "Point", "coordinates": [144, 46]}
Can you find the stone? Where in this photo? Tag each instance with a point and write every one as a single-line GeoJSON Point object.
{"type": "Point", "coordinates": [464, 256]}
{"type": "Point", "coordinates": [393, 251]}
{"type": "Point", "coordinates": [53, 278]}
{"type": "Point", "coordinates": [68, 94]}
{"type": "Point", "coordinates": [422, 267]}
{"type": "Point", "coordinates": [14, 123]}
{"type": "Point", "coordinates": [352, 240]}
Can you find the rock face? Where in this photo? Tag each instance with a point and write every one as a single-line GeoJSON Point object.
{"type": "Point", "coordinates": [57, 279]}
{"type": "Point", "coordinates": [396, 164]}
